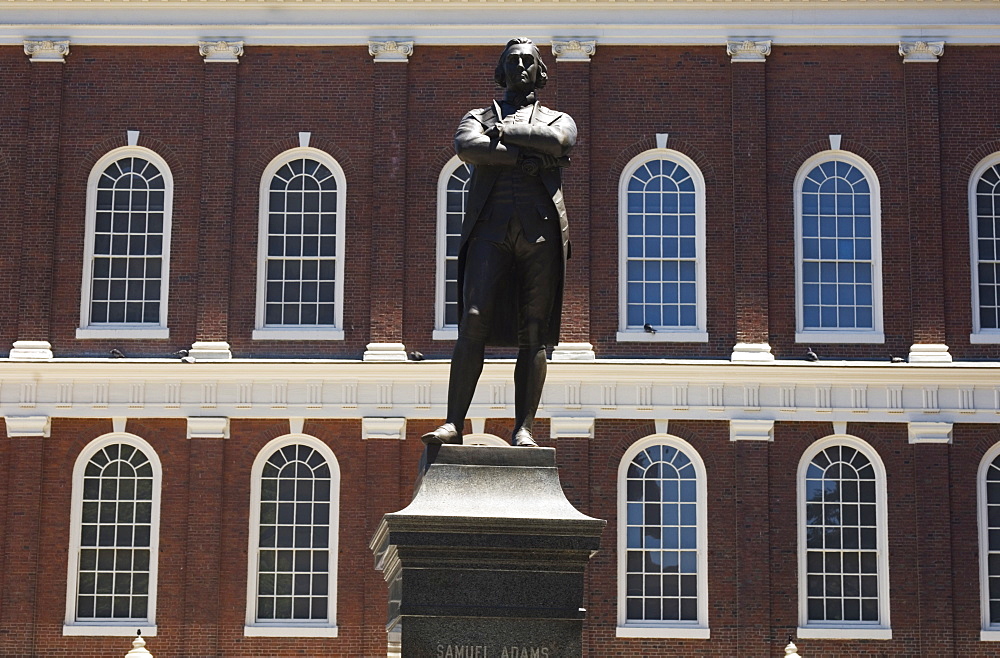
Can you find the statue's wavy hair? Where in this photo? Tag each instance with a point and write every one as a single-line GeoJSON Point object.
{"type": "Point", "coordinates": [501, 77]}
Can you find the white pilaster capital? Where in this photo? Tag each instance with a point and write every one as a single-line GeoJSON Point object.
{"type": "Point", "coordinates": [929, 353]}
{"type": "Point", "coordinates": [138, 648]}
{"type": "Point", "coordinates": [921, 51]}
{"type": "Point", "coordinates": [215, 350]}
{"type": "Point", "coordinates": [748, 50]}
{"type": "Point", "coordinates": [31, 350]}
{"type": "Point", "coordinates": [383, 428]}
{"type": "Point", "coordinates": [567, 427]}
{"type": "Point", "coordinates": [221, 50]}
{"type": "Point", "coordinates": [208, 427]}
{"type": "Point", "coordinates": [573, 352]}
{"type": "Point", "coordinates": [19, 426]}
{"type": "Point", "coordinates": [751, 430]}
{"type": "Point", "coordinates": [384, 352]}
{"type": "Point", "coordinates": [46, 50]}
{"type": "Point", "coordinates": [929, 432]}
{"type": "Point", "coordinates": [574, 50]}
{"type": "Point", "coordinates": [751, 353]}
{"type": "Point", "coordinates": [390, 50]}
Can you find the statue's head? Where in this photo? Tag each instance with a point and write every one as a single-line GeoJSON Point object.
{"type": "Point", "coordinates": [520, 67]}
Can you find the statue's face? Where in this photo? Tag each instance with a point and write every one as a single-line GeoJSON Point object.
{"type": "Point", "coordinates": [521, 68]}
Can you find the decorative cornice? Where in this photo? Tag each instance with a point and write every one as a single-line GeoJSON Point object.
{"type": "Point", "coordinates": [21, 426]}
{"type": "Point", "coordinates": [390, 51]}
{"type": "Point", "coordinates": [921, 51]}
{"type": "Point", "coordinates": [46, 50]}
{"type": "Point", "coordinates": [221, 51]}
{"type": "Point", "coordinates": [573, 50]}
{"type": "Point", "coordinates": [748, 50]}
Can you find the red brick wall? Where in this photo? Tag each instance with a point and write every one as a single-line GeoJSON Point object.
{"type": "Point", "coordinates": [349, 104]}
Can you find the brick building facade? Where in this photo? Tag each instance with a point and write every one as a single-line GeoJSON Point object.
{"type": "Point", "coordinates": [752, 493]}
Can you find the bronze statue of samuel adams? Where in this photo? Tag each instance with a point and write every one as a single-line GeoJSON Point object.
{"type": "Point", "coordinates": [515, 239]}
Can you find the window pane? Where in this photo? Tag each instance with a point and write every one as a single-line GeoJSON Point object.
{"type": "Point", "coordinates": [292, 563]}
{"type": "Point", "coordinates": [835, 245]}
{"type": "Point", "coordinates": [301, 246]}
{"type": "Point", "coordinates": [662, 535]}
{"type": "Point", "coordinates": [661, 246]}
{"type": "Point", "coordinates": [987, 227]}
{"type": "Point", "coordinates": [114, 558]}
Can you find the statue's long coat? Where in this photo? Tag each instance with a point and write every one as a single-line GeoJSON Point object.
{"type": "Point", "coordinates": [547, 131]}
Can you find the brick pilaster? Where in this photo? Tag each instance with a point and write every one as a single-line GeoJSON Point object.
{"type": "Point", "coordinates": [751, 475]}
{"type": "Point", "coordinates": [933, 520]}
{"type": "Point", "coordinates": [573, 97]}
{"type": "Point", "coordinates": [749, 127]}
{"type": "Point", "coordinates": [42, 168]}
{"type": "Point", "coordinates": [389, 208]}
{"type": "Point", "coordinates": [382, 495]}
{"type": "Point", "coordinates": [206, 473]}
{"type": "Point", "coordinates": [215, 224]}
{"type": "Point", "coordinates": [21, 543]}
{"type": "Point", "coordinates": [923, 175]}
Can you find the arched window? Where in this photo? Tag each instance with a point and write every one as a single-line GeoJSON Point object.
{"type": "Point", "coordinates": [837, 251]}
{"type": "Point", "coordinates": [661, 249]}
{"type": "Point", "coordinates": [114, 538]}
{"type": "Point", "coordinates": [984, 211]}
{"type": "Point", "coordinates": [300, 274]}
{"type": "Point", "coordinates": [843, 551]}
{"type": "Point", "coordinates": [989, 542]}
{"type": "Point", "coordinates": [127, 246]}
{"type": "Point", "coordinates": [662, 541]}
{"type": "Point", "coordinates": [294, 517]}
{"type": "Point", "coordinates": [453, 191]}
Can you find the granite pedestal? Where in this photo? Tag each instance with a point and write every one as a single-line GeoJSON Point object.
{"type": "Point", "coordinates": [487, 561]}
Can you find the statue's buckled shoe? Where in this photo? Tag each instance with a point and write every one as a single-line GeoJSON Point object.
{"type": "Point", "coordinates": [442, 435]}
{"type": "Point", "coordinates": [522, 439]}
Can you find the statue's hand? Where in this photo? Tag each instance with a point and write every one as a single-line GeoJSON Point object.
{"type": "Point", "coordinates": [533, 164]}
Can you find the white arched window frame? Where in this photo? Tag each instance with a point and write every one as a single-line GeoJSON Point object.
{"type": "Point", "coordinates": [696, 628]}
{"type": "Point", "coordinates": [134, 229]}
{"type": "Point", "coordinates": [293, 627]}
{"type": "Point", "coordinates": [838, 567]}
{"type": "Point", "coordinates": [452, 196]}
{"type": "Point", "coordinates": [308, 330]}
{"type": "Point", "coordinates": [111, 626]}
{"type": "Point", "coordinates": [984, 247]}
{"type": "Point", "coordinates": [988, 512]}
{"type": "Point", "coordinates": [668, 243]}
{"type": "Point", "coordinates": [843, 289]}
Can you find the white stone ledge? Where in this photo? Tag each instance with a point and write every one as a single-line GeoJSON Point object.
{"type": "Point", "coordinates": [661, 336]}
{"type": "Point", "coordinates": [289, 631]}
{"type": "Point", "coordinates": [124, 333]}
{"type": "Point", "coordinates": [843, 633]}
{"type": "Point", "coordinates": [820, 337]}
{"type": "Point", "coordinates": [98, 629]}
{"type": "Point", "coordinates": [676, 632]}
{"type": "Point", "coordinates": [278, 333]}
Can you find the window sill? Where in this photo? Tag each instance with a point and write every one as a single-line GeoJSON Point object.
{"type": "Point", "coordinates": [289, 631]}
{"type": "Point", "coordinates": [116, 629]}
{"type": "Point", "coordinates": [989, 636]}
{"type": "Point", "coordinates": [123, 332]}
{"type": "Point", "coordinates": [661, 336]}
{"type": "Point", "coordinates": [820, 337]}
{"type": "Point", "coordinates": [676, 632]}
{"type": "Point", "coordinates": [844, 633]}
{"type": "Point", "coordinates": [295, 333]}
{"type": "Point", "coordinates": [985, 338]}
{"type": "Point", "coordinates": [445, 334]}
